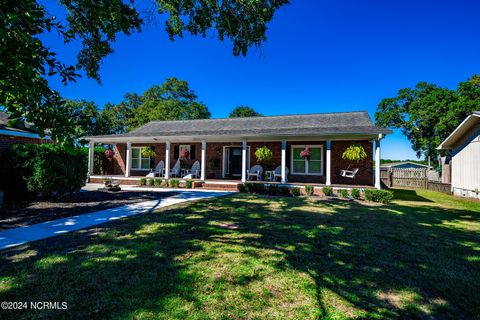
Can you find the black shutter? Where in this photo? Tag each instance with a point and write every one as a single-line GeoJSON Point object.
{"type": "Point", "coordinates": [152, 160]}
{"type": "Point", "coordinates": [176, 152]}
{"type": "Point", "coordinates": [193, 154]}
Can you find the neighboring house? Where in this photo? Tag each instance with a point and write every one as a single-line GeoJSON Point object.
{"type": "Point", "coordinates": [226, 147]}
{"type": "Point", "coordinates": [404, 165]}
{"type": "Point", "coordinates": [464, 162]}
{"type": "Point", "coordinates": [11, 135]}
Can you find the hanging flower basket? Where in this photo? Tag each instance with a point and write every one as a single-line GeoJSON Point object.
{"type": "Point", "coordinates": [109, 154]}
{"type": "Point", "coordinates": [185, 153]}
{"type": "Point", "coordinates": [305, 153]}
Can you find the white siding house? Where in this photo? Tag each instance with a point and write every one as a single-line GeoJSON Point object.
{"type": "Point", "coordinates": [464, 145]}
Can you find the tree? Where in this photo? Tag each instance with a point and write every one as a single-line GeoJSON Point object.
{"type": "Point", "coordinates": [427, 114]}
{"type": "Point", "coordinates": [27, 65]}
{"type": "Point", "coordinates": [173, 100]}
{"type": "Point", "coordinates": [244, 111]}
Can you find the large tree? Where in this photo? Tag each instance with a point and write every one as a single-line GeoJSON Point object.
{"type": "Point", "coordinates": [427, 114]}
{"type": "Point", "coordinates": [27, 64]}
{"type": "Point", "coordinates": [244, 111]}
{"type": "Point", "coordinates": [173, 100]}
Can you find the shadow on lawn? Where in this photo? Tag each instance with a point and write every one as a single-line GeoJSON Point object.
{"type": "Point", "coordinates": [388, 261]}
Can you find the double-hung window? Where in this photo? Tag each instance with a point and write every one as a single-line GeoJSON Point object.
{"type": "Point", "coordinates": [138, 161]}
{"type": "Point", "coordinates": [303, 166]}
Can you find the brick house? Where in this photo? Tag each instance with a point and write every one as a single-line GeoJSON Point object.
{"type": "Point", "coordinates": [226, 148]}
{"type": "Point", "coordinates": [12, 135]}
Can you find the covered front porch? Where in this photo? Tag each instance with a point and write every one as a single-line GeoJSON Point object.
{"type": "Point", "coordinates": [228, 163]}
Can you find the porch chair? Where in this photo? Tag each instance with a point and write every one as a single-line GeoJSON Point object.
{"type": "Point", "coordinates": [195, 170]}
{"type": "Point", "coordinates": [349, 173]}
{"type": "Point", "coordinates": [159, 170]}
{"type": "Point", "coordinates": [175, 171]}
{"type": "Point", "coordinates": [278, 173]}
{"type": "Point", "coordinates": [255, 171]}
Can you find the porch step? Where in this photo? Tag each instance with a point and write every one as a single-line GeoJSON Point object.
{"type": "Point", "coordinates": [222, 187]}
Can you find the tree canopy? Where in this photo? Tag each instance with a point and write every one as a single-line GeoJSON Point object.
{"type": "Point", "coordinates": [27, 65]}
{"type": "Point", "coordinates": [427, 114]}
{"type": "Point", "coordinates": [244, 111]}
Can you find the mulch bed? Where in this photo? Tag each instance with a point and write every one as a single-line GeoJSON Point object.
{"type": "Point", "coordinates": [26, 213]}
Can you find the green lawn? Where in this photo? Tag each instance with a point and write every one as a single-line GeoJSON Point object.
{"type": "Point", "coordinates": [248, 257]}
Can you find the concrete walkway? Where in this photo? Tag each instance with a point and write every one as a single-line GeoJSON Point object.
{"type": "Point", "coordinates": [18, 236]}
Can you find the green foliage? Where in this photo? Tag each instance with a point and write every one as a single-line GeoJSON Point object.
{"type": "Point", "coordinates": [260, 188]}
{"type": "Point", "coordinates": [48, 169]}
{"type": "Point", "coordinates": [188, 184]}
{"type": "Point", "coordinates": [355, 193]}
{"type": "Point", "coordinates": [173, 100]}
{"type": "Point", "coordinates": [157, 182]}
{"type": "Point", "coordinates": [28, 66]}
{"type": "Point", "coordinates": [148, 152]}
{"type": "Point", "coordinates": [343, 193]}
{"type": "Point", "coordinates": [309, 190]}
{"type": "Point", "coordinates": [174, 183]}
{"type": "Point", "coordinates": [383, 196]}
{"type": "Point", "coordinates": [427, 114]}
{"type": "Point", "coordinates": [295, 191]}
{"type": "Point", "coordinates": [244, 112]}
{"type": "Point", "coordinates": [150, 182]}
{"type": "Point", "coordinates": [355, 152]}
{"type": "Point", "coordinates": [263, 154]}
{"type": "Point", "coordinates": [327, 191]}
{"type": "Point", "coordinates": [143, 181]}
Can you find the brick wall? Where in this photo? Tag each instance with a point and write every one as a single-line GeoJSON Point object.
{"type": "Point", "coordinates": [214, 161]}
{"type": "Point", "coordinates": [7, 141]}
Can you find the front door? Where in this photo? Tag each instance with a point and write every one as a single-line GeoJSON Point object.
{"type": "Point", "coordinates": [234, 161]}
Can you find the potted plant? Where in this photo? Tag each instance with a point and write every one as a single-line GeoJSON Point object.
{"type": "Point", "coordinates": [264, 156]}
{"type": "Point", "coordinates": [148, 152]}
{"type": "Point", "coordinates": [355, 152]}
{"type": "Point", "coordinates": [109, 155]}
{"type": "Point", "coordinates": [306, 153]}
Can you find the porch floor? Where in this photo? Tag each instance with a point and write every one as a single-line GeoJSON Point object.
{"type": "Point", "coordinates": [231, 182]}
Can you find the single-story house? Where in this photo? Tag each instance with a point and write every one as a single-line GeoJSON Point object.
{"type": "Point", "coordinates": [404, 165]}
{"type": "Point", "coordinates": [464, 146]}
{"type": "Point", "coordinates": [11, 135]}
{"type": "Point", "coordinates": [226, 148]}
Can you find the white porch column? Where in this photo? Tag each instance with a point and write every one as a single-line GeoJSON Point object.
{"type": "Point", "coordinates": [377, 162]}
{"type": "Point", "coordinates": [128, 162]}
{"type": "Point", "coordinates": [167, 159]}
{"type": "Point", "coordinates": [328, 180]}
{"type": "Point", "coordinates": [204, 157]}
{"type": "Point", "coordinates": [284, 161]}
{"type": "Point", "coordinates": [244, 160]}
{"type": "Point", "coordinates": [91, 149]}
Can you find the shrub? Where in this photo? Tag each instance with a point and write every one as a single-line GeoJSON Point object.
{"type": "Point", "coordinates": [174, 183]}
{"type": "Point", "coordinates": [188, 184]}
{"type": "Point", "coordinates": [295, 191]}
{"type": "Point", "coordinates": [150, 182]}
{"type": "Point", "coordinates": [343, 193]}
{"type": "Point", "coordinates": [355, 193]}
{"type": "Point", "coordinates": [283, 191]}
{"type": "Point", "coordinates": [157, 182]}
{"type": "Point", "coordinates": [327, 191]}
{"type": "Point", "coordinates": [49, 169]}
{"type": "Point", "coordinates": [143, 181]}
{"type": "Point", "coordinates": [309, 190]}
{"type": "Point", "coordinates": [383, 196]}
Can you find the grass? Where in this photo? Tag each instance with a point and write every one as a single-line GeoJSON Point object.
{"type": "Point", "coordinates": [248, 257]}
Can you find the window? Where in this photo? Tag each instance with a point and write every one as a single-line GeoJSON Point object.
{"type": "Point", "coordinates": [314, 166]}
{"type": "Point", "coordinates": [138, 161]}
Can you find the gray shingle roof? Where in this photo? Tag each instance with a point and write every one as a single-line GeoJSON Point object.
{"type": "Point", "coordinates": [302, 124]}
{"type": "Point", "coordinates": [4, 125]}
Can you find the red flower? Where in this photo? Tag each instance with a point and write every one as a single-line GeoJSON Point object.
{"type": "Point", "coordinates": [305, 153]}
{"type": "Point", "coordinates": [185, 153]}
{"type": "Point", "coordinates": [109, 153]}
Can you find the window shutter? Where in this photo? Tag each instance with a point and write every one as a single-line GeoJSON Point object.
{"type": "Point", "coordinates": [193, 154]}
{"type": "Point", "coordinates": [152, 160]}
{"type": "Point", "coordinates": [176, 152]}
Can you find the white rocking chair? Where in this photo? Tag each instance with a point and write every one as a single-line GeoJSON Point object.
{"type": "Point", "coordinates": [175, 171]}
{"type": "Point", "coordinates": [255, 172]}
{"type": "Point", "coordinates": [349, 173]}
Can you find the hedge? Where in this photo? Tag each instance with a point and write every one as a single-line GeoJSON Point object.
{"type": "Point", "coordinates": [46, 169]}
{"type": "Point", "coordinates": [383, 196]}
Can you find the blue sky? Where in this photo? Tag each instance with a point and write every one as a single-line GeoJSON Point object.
{"type": "Point", "coordinates": [320, 56]}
